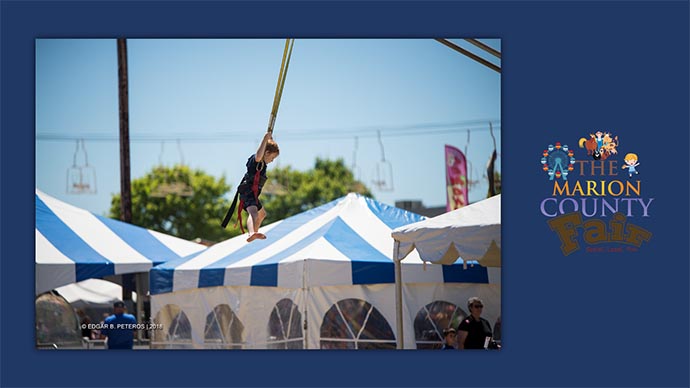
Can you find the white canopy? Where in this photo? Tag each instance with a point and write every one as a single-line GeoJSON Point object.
{"type": "Point", "coordinates": [472, 233]}
{"type": "Point", "coordinates": [73, 244]}
{"type": "Point", "coordinates": [92, 293]}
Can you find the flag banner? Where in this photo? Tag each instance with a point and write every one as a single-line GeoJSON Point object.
{"type": "Point", "coordinates": [456, 178]}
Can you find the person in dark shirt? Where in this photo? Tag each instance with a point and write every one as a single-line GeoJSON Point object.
{"type": "Point", "coordinates": [474, 332]}
{"type": "Point", "coordinates": [86, 332]}
{"type": "Point", "coordinates": [252, 183]}
{"type": "Point", "coordinates": [449, 339]}
{"type": "Point", "coordinates": [119, 328]}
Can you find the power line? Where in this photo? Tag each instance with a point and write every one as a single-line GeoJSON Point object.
{"type": "Point", "coordinates": [286, 134]}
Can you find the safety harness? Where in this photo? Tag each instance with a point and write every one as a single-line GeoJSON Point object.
{"type": "Point", "coordinates": [287, 53]}
{"type": "Point", "coordinates": [243, 184]}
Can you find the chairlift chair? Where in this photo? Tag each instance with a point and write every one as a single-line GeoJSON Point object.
{"type": "Point", "coordinates": [383, 172]}
{"type": "Point", "coordinates": [81, 179]}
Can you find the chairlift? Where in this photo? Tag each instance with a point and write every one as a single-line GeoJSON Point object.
{"type": "Point", "coordinates": [81, 179]}
{"type": "Point", "coordinates": [274, 188]}
{"type": "Point", "coordinates": [279, 185]}
{"type": "Point", "coordinates": [383, 172]}
{"type": "Point", "coordinates": [178, 188]}
{"type": "Point", "coordinates": [471, 171]}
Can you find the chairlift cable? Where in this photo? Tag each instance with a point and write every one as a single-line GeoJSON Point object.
{"type": "Point", "coordinates": [383, 153]}
{"type": "Point", "coordinates": [74, 158]}
{"type": "Point", "coordinates": [86, 156]}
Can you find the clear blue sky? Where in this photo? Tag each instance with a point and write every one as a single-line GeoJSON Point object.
{"type": "Point", "coordinates": [215, 96]}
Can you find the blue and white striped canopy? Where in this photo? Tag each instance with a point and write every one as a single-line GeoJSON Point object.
{"type": "Point", "coordinates": [73, 244]}
{"type": "Point", "coordinates": [344, 242]}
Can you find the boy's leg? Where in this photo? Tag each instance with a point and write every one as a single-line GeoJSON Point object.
{"type": "Point", "coordinates": [260, 218]}
{"type": "Point", "coordinates": [254, 222]}
{"type": "Point", "coordinates": [251, 220]}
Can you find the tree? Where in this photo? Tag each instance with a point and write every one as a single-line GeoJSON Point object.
{"type": "Point", "coordinates": [179, 201]}
{"type": "Point", "coordinates": [289, 192]}
{"type": "Point", "coordinates": [190, 204]}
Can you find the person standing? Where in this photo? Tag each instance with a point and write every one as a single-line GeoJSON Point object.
{"type": "Point", "coordinates": [474, 332]}
{"type": "Point", "coordinates": [119, 328]}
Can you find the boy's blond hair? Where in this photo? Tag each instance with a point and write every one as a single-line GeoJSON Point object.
{"type": "Point", "coordinates": [631, 156]}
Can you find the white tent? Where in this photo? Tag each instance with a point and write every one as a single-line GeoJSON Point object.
{"type": "Point", "coordinates": [471, 233]}
{"type": "Point", "coordinates": [73, 244]}
{"type": "Point", "coordinates": [322, 279]}
{"type": "Point", "coordinates": [92, 293]}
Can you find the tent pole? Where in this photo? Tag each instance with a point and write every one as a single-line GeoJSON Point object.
{"type": "Point", "coordinates": [140, 303]}
{"type": "Point", "coordinates": [398, 296]}
{"type": "Point", "coordinates": [305, 293]}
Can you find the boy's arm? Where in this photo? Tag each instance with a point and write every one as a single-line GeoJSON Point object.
{"type": "Point", "coordinates": [262, 147]}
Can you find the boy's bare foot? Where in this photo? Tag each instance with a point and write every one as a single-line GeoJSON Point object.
{"type": "Point", "coordinates": [254, 236]}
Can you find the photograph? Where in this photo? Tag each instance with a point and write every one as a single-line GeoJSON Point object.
{"type": "Point", "coordinates": [275, 194]}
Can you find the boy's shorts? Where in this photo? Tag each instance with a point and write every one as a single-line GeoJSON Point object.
{"type": "Point", "coordinates": [248, 199]}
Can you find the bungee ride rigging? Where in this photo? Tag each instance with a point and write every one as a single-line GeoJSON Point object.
{"type": "Point", "coordinates": [258, 177]}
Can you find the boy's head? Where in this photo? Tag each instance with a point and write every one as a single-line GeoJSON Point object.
{"type": "Point", "coordinates": [272, 151]}
{"type": "Point", "coordinates": [449, 334]}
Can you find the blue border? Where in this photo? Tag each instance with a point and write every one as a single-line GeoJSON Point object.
{"type": "Point", "coordinates": [568, 67]}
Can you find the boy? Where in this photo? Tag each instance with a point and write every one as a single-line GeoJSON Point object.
{"type": "Point", "coordinates": [630, 163]}
{"type": "Point", "coordinates": [252, 183]}
{"type": "Point", "coordinates": [449, 338]}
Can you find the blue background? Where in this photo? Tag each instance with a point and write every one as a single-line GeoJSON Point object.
{"type": "Point", "coordinates": [569, 68]}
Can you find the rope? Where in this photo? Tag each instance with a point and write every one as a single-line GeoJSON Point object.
{"type": "Point", "coordinates": [287, 53]}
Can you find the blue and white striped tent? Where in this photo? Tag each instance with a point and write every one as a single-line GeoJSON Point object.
{"type": "Point", "coordinates": [338, 250]}
{"type": "Point", "coordinates": [73, 244]}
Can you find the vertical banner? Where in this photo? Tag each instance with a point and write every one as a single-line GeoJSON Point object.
{"type": "Point", "coordinates": [456, 178]}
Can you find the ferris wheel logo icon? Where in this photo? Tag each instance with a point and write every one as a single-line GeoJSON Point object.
{"type": "Point", "coordinates": [557, 161]}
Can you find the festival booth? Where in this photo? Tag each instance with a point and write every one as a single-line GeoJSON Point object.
{"type": "Point", "coordinates": [73, 244]}
{"type": "Point", "coordinates": [470, 235]}
{"type": "Point", "coordinates": [322, 279]}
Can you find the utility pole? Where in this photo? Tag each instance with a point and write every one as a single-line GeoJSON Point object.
{"type": "Point", "coordinates": [125, 186]}
{"type": "Point", "coordinates": [130, 282]}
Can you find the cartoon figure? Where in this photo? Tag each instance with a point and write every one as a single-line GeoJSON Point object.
{"type": "Point", "coordinates": [591, 145]}
{"type": "Point", "coordinates": [630, 163]}
{"type": "Point", "coordinates": [600, 145]}
{"type": "Point", "coordinates": [609, 146]}
{"type": "Point", "coordinates": [599, 137]}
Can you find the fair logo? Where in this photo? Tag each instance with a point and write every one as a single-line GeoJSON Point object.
{"type": "Point", "coordinates": [594, 200]}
